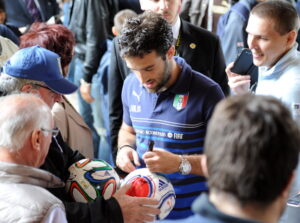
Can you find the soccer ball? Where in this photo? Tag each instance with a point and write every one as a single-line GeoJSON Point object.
{"type": "Point", "coordinates": [147, 184]}
{"type": "Point", "coordinates": [90, 179]}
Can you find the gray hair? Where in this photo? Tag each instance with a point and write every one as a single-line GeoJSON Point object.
{"type": "Point", "coordinates": [20, 115]}
{"type": "Point", "coordinates": [12, 85]}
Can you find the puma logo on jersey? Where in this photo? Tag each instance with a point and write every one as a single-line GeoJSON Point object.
{"type": "Point", "coordinates": [138, 96]}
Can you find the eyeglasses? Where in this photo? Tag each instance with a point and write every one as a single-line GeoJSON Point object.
{"type": "Point", "coordinates": [42, 86]}
{"type": "Point", "coordinates": [53, 93]}
{"type": "Point", "coordinates": [54, 131]}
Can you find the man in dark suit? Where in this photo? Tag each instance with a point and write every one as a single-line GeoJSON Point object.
{"type": "Point", "coordinates": [200, 48]}
{"type": "Point", "coordinates": [22, 13]}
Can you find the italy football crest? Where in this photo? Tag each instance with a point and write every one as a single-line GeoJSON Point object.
{"type": "Point", "coordinates": [180, 101]}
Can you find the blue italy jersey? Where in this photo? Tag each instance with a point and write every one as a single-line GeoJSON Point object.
{"type": "Point", "coordinates": [176, 121]}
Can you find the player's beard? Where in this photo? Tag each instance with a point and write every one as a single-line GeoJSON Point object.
{"type": "Point", "coordinates": [165, 78]}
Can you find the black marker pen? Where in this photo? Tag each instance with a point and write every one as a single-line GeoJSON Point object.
{"type": "Point", "coordinates": [151, 145]}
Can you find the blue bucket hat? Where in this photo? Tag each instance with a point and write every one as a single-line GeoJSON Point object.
{"type": "Point", "coordinates": [39, 64]}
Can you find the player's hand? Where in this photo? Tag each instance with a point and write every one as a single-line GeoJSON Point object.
{"type": "Point", "coordinates": [162, 161]}
{"type": "Point", "coordinates": [85, 91]}
{"type": "Point", "coordinates": [239, 84]}
{"type": "Point", "coordinates": [125, 157]}
{"type": "Point", "coordinates": [136, 209]}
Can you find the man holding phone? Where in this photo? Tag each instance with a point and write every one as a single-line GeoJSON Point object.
{"type": "Point", "coordinates": [243, 65]}
{"type": "Point", "coordinates": [272, 41]}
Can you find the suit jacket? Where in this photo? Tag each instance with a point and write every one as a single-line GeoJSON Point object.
{"type": "Point", "coordinates": [18, 15]}
{"type": "Point", "coordinates": [202, 50]}
{"type": "Point", "coordinates": [199, 47]}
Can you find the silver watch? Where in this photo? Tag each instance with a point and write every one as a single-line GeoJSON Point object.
{"type": "Point", "coordinates": [185, 166]}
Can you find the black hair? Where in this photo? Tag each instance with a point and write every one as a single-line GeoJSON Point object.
{"type": "Point", "coordinates": [145, 33]}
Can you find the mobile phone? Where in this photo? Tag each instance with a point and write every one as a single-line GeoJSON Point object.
{"type": "Point", "coordinates": [244, 63]}
{"type": "Point", "coordinates": [151, 145]}
{"type": "Point", "coordinates": [294, 201]}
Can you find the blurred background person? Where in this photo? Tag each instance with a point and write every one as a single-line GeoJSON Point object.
{"type": "Point", "coordinates": [22, 13]}
{"type": "Point", "coordinates": [99, 91]}
{"type": "Point", "coordinates": [88, 20]}
{"type": "Point", "coordinates": [5, 30]}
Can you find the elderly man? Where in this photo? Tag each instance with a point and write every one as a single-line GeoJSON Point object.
{"type": "Point", "coordinates": [26, 130]}
{"type": "Point", "coordinates": [37, 70]}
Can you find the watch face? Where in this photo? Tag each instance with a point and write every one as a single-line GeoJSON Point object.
{"type": "Point", "coordinates": [185, 167]}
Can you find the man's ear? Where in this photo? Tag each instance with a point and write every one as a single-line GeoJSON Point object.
{"type": "Point", "coordinates": [26, 88]}
{"type": "Point", "coordinates": [36, 139]}
{"type": "Point", "coordinates": [114, 31]}
{"type": "Point", "coordinates": [171, 52]}
{"type": "Point", "coordinates": [291, 38]}
{"type": "Point", "coordinates": [179, 6]}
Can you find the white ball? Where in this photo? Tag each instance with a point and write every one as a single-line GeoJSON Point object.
{"type": "Point", "coordinates": [147, 184]}
{"type": "Point", "coordinates": [90, 179]}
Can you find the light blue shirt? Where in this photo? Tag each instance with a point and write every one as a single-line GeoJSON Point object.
{"type": "Point", "coordinates": [283, 81]}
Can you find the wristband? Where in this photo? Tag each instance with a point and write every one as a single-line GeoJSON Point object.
{"type": "Point", "coordinates": [126, 145]}
{"type": "Point", "coordinates": [82, 81]}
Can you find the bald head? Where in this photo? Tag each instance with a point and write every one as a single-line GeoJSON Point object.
{"type": "Point", "coordinates": [20, 115]}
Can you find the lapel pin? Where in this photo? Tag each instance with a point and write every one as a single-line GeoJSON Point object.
{"type": "Point", "coordinates": [193, 45]}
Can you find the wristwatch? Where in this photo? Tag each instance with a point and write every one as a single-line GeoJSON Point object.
{"type": "Point", "coordinates": [185, 166]}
